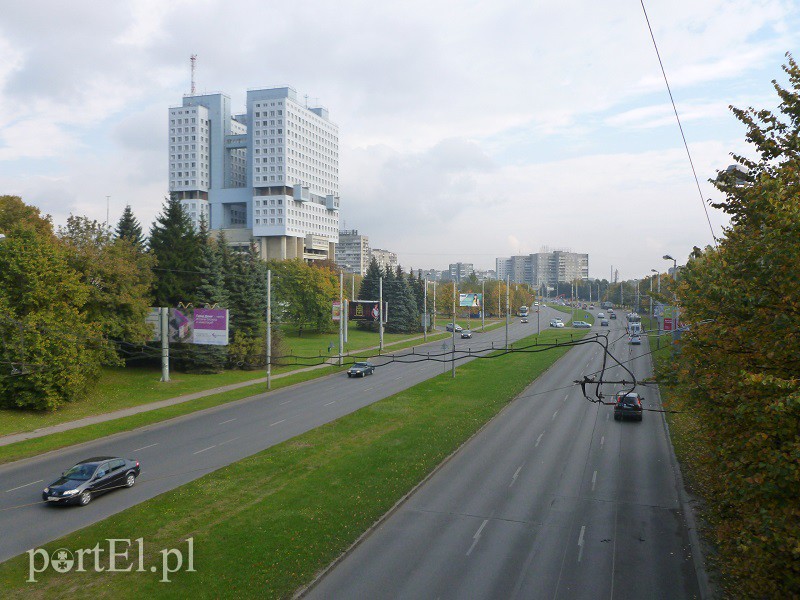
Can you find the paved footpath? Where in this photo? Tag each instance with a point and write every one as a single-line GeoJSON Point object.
{"type": "Point", "coordinates": [135, 410]}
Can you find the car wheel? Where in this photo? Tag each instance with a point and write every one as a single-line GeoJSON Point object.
{"type": "Point", "coordinates": [85, 498]}
{"type": "Point", "coordinates": [130, 480]}
{"type": "Point", "coordinates": [617, 417]}
{"type": "Point", "coordinates": [349, 375]}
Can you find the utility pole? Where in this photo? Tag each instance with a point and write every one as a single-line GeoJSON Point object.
{"type": "Point", "coordinates": [483, 304]}
{"type": "Point", "coordinates": [380, 315]}
{"type": "Point", "coordinates": [164, 343]}
{"type": "Point", "coordinates": [434, 307]}
{"type": "Point", "coordinates": [507, 304]}
{"type": "Point", "coordinates": [425, 308]}
{"type": "Point", "coordinates": [341, 317]}
{"type": "Point", "coordinates": [269, 329]}
{"type": "Point", "coordinates": [453, 364]}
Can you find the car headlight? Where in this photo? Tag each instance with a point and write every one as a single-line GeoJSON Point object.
{"type": "Point", "coordinates": [70, 492]}
{"type": "Point", "coordinates": [46, 490]}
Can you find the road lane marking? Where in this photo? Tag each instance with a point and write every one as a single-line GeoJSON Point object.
{"type": "Point", "coordinates": [228, 421]}
{"type": "Point", "coordinates": [26, 485]}
{"type": "Point", "coordinates": [477, 536]}
{"type": "Point", "coordinates": [145, 447]}
{"type": "Point", "coordinates": [580, 543]}
{"type": "Point", "coordinates": [594, 480]}
{"type": "Point", "coordinates": [539, 439]}
{"type": "Point", "coordinates": [329, 403]}
{"type": "Point", "coordinates": [230, 440]}
{"type": "Point", "coordinates": [277, 423]}
{"type": "Point", "coordinates": [606, 416]}
{"type": "Point", "coordinates": [369, 388]}
{"type": "Point", "coordinates": [286, 402]}
{"type": "Point", "coordinates": [602, 441]}
{"type": "Point", "coordinates": [516, 474]}
{"type": "Point", "coordinates": [398, 378]}
{"type": "Point", "coordinates": [565, 397]}
{"type": "Point", "coordinates": [204, 449]}
{"type": "Point", "coordinates": [554, 414]}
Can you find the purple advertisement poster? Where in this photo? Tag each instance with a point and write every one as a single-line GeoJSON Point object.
{"type": "Point", "coordinates": [211, 326]}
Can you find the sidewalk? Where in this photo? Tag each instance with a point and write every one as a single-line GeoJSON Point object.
{"type": "Point", "coordinates": [135, 410]}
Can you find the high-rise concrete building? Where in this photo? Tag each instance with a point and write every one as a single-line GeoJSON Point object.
{"type": "Point", "coordinates": [352, 252]}
{"type": "Point", "coordinates": [544, 268]}
{"type": "Point", "coordinates": [459, 271]}
{"type": "Point", "coordinates": [384, 258]}
{"type": "Point", "coordinates": [270, 175]}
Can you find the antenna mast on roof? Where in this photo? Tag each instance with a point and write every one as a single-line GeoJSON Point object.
{"type": "Point", "coordinates": [193, 59]}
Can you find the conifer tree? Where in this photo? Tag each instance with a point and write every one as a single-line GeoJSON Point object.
{"type": "Point", "coordinates": [129, 228]}
{"type": "Point", "coordinates": [176, 247]}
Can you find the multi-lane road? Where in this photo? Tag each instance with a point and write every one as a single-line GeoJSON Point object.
{"type": "Point", "coordinates": [553, 499]}
{"type": "Point", "coordinates": [180, 450]}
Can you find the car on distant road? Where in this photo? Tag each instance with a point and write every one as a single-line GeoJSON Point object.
{"type": "Point", "coordinates": [613, 315]}
{"type": "Point", "coordinates": [591, 307]}
{"type": "Point", "coordinates": [601, 315]}
{"type": "Point", "coordinates": [90, 478]}
{"type": "Point", "coordinates": [450, 327]}
{"type": "Point", "coordinates": [466, 334]}
{"type": "Point", "coordinates": [524, 320]}
{"type": "Point", "coordinates": [604, 323]}
{"type": "Point", "coordinates": [581, 325]}
{"type": "Point", "coordinates": [361, 369]}
{"type": "Point", "coordinates": [556, 323]}
{"type": "Point", "coordinates": [628, 405]}
{"type": "Point", "coordinates": [635, 340]}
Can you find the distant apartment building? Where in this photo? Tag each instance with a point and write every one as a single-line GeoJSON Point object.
{"type": "Point", "coordinates": [270, 175]}
{"type": "Point", "coordinates": [544, 268]}
{"type": "Point", "coordinates": [352, 252]}
{"type": "Point", "coordinates": [431, 274]}
{"type": "Point", "coordinates": [385, 258]}
{"type": "Point", "coordinates": [460, 271]}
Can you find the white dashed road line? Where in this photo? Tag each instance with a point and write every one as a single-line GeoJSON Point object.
{"type": "Point", "coordinates": [539, 439]}
{"type": "Point", "coordinates": [594, 480]}
{"type": "Point", "coordinates": [580, 542]}
{"type": "Point", "coordinates": [26, 485]}
{"type": "Point", "coordinates": [516, 474]}
{"type": "Point", "coordinates": [329, 403]}
{"type": "Point", "coordinates": [228, 421]}
{"type": "Point", "coordinates": [204, 449]}
{"type": "Point", "coordinates": [477, 536]}
{"type": "Point", "coordinates": [145, 447]}
{"type": "Point", "coordinates": [276, 423]}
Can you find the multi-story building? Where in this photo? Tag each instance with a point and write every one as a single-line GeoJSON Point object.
{"type": "Point", "coordinates": [352, 252]}
{"type": "Point", "coordinates": [544, 268]}
{"type": "Point", "coordinates": [385, 258]}
{"type": "Point", "coordinates": [270, 175]}
{"type": "Point", "coordinates": [459, 271]}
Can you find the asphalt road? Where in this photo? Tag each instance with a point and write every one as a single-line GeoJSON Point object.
{"type": "Point", "coordinates": [553, 499]}
{"type": "Point", "coordinates": [180, 450]}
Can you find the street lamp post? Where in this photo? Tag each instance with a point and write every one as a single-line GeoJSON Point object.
{"type": "Point", "coordinates": [674, 291]}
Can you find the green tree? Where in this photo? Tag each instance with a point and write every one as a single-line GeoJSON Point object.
{"type": "Point", "coordinates": [50, 352]}
{"type": "Point", "coordinates": [175, 245]}
{"type": "Point", "coordinates": [740, 359]}
{"type": "Point", "coordinates": [119, 277]}
{"type": "Point", "coordinates": [305, 293]}
{"type": "Point", "coordinates": [129, 228]}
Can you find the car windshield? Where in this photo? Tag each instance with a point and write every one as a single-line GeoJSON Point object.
{"type": "Point", "coordinates": [80, 472]}
{"type": "Point", "coordinates": [361, 364]}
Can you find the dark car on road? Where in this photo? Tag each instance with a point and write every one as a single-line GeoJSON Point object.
{"type": "Point", "coordinates": [90, 478]}
{"type": "Point", "coordinates": [361, 369]}
{"type": "Point", "coordinates": [628, 406]}
{"type": "Point", "coordinates": [604, 323]}
{"type": "Point", "coordinates": [613, 315]}
{"type": "Point", "coordinates": [466, 334]}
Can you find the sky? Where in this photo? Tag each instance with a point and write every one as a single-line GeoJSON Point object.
{"type": "Point", "coordinates": [468, 131]}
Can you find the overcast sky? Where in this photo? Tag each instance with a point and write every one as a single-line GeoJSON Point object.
{"type": "Point", "coordinates": [468, 130]}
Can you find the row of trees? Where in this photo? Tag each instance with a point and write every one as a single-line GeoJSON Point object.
{"type": "Point", "coordinates": [739, 364]}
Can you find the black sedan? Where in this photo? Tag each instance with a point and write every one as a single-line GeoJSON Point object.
{"type": "Point", "coordinates": [91, 477]}
{"type": "Point", "coordinates": [361, 369]}
{"type": "Point", "coordinates": [628, 406]}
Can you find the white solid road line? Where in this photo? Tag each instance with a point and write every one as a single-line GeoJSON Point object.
{"type": "Point", "coordinates": [26, 485]}
{"type": "Point", "coordinates": [276, 423]}
{"type": "Point", "coordinates": [204, 449]}
{"type": "Point", "coordinates": [580, 542]}
{"type": "Point", "coordinates": [329, 403]}
{"type": "Point", "coordinates": [228, 421]}
{"type": "Point", "coordinates": [477, 536]}
{"type": "Point", "coordinates": [594, 480]}
{"type": "Point", "coordinates": [145, 447]}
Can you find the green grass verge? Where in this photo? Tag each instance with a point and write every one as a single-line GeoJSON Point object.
{"type": "Point", "coordinates": [305, 501]}
{"type": "Point", "coordinates": [55, 441]}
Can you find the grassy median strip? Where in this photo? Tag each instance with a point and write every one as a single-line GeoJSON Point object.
{"type": "Point", "coordinates": [265, 525]}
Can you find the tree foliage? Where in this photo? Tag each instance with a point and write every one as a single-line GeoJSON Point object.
{"type": "Point", "coordinates": [176, 247]}
{"type": "Point", "coordinates": [741, 357]}
{"type": "Point", "coordinates": [129, 228]}
{"type": "Point", "coordinates": [304, 294]}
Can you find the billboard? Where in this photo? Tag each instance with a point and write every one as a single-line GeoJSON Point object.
{"type": "Point", "coordinates": [211, 326]}
{"type": "Point", "coordinates": [366, 310]}
{"type": "Point", "coordinates": [474, 300]}
{"type": "Point", "coordinates": [153, 319]}
{"type": "Point", "coordinates": [337, 311]}
{"type": "Point", "coordinates": [180, 325]}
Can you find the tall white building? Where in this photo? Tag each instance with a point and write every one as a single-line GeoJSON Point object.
{"type": "Point", "coordinates": [270, 175]}
{"type": "Point", "coordinates": [544, 268]}
{"type": "Point", "coordinates": [384, 258]}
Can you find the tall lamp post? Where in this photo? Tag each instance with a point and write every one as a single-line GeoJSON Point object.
{"type": "Point", "coordinates": [674, 291]}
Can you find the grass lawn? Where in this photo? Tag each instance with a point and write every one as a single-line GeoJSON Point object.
{"type": "Point", "coordinates": [120, 388]}
{"type": "Point", "coordinates": [306, 500]}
